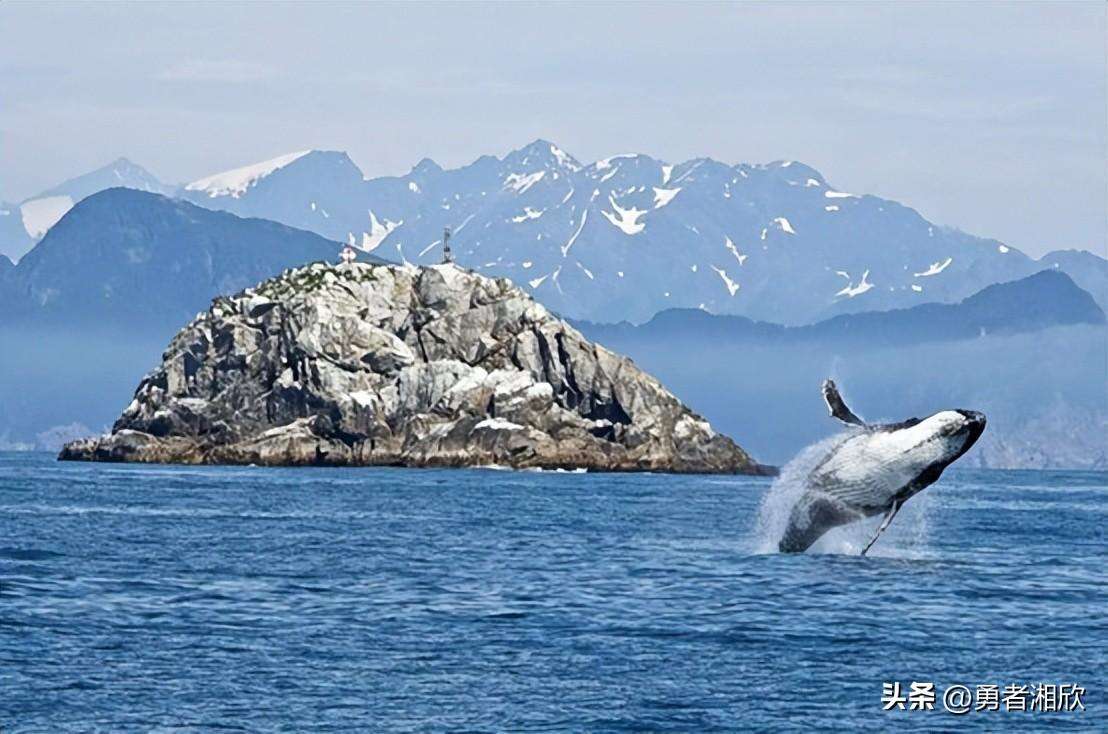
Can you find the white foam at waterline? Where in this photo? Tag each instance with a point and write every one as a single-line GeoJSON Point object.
{"type": "Point", "coordinates": [773, 514]}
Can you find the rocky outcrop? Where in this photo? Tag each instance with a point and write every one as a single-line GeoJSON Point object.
{"type": "Point", "coordinates": [360, 364]}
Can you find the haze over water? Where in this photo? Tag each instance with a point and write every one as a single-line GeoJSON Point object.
{"type": "Point", "coordinates": [142, 598]}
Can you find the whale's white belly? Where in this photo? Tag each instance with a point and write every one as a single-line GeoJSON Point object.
{"type": "Point", "coordinates": [866, 471]}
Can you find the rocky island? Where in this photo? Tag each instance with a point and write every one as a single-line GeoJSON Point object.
{"type": "Point", "coordinates": [360, 364]}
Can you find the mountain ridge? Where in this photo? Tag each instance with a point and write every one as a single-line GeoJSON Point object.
{"type": "Point", "coordinates": [143, 260]}
{"type": "Point", "coordinates": [1045, 299]}
{"type": "Point", "coordinates": [23, 225]}
{"type": "Point", "coordinates": [628, 236]}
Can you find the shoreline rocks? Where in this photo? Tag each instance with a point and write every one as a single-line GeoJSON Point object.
{"type": "Point", "coordinates": [382, 365]}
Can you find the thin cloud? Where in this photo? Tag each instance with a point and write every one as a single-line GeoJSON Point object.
{"type": "Point", "coordinates": [229, 71]}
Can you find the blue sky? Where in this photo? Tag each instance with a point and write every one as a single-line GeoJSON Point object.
{"type": "Point", "coordinates": [985, 116]}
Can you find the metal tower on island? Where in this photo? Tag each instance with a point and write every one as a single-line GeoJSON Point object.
{"type": "Point", "coordinates": [447, 255]}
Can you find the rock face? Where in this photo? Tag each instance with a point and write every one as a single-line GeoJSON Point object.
{"type": "Point", "coordinates": [361, 364]}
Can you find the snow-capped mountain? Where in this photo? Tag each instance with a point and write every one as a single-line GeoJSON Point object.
{"type": "Point", "coordinates": [321, 191]}
{"type": "Point", "coordinates": [627, 236]}
{"type": "Point", "coordinates": [22, 225]}
{"type": "Point", "coordinates": [620, 238]}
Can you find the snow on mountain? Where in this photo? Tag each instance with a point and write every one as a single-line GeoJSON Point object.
{"type": "Point", "coordinates": [626, 236]}
{"type": "Point", "coordinates": [317, 190]}
{"type": "Point", "coordinates": [852, 290]}
{"type": "Point", "coordinates": [936, 268]}
{"type": "Point", "coordinates": [14, 238]}
{"type": "Point", "coordinates": [119, 173]}
{"type": "Point", "coordinates": [39, 213]}
{"type": "Point", "coordinates": [235, 182]}
{"type": "Point", "coordinates": [144, 261]}
{"type": "Point", "coordinates": [629, 235]}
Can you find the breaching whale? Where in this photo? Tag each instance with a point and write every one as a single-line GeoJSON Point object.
{"type": "Point", "coordinates": [876, 470]}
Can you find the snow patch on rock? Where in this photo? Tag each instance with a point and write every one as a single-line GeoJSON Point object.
{"type": "Point", "coordinates": [851, 290]}
{"type": "Point", "coordinates": [528, 213]}
{"type": "Point", "coordinates": [519, 182]}
{"type": "Point", "coordinates": [569, 244]}
{"type": "Point", "coordinates": [783, 225]}
{"type": "Point", "coordinates": [732, 286]}
{"type": "Point", "coordinates": [626, 220]}
{"type": "Point", "coordinates": [935, 269]}
{"type": "Point", "coordinates": [235, 182]}
{"type": "Point", "coordinates": [378, 231]}
{"type": "Point", "coordinates": [664, 196]}
{"type": "Point", "coordinates": [39, 215]}
{"type": "Point", "coordinates": [607, 162]}
{"type": "Point", "coordinates": [734, 250]}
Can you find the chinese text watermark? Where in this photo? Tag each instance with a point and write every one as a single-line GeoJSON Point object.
{"type": "Point", "coordinates": [958, 699]}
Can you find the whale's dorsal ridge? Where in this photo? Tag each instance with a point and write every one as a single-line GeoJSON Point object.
{"type": "Point", "coordinates": [837, 405]}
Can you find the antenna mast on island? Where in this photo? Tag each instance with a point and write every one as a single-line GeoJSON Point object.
{"type": "Point", "coordinates": [447, 256]}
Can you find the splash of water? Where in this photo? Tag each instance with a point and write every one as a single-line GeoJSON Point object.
{"type": "Point", "coordinates": [773, 515]}
{"type": "Point", "coordinates": [904, 538]}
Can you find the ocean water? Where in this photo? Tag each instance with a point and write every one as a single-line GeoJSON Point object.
{"type": "Point", "coordinates": [152, 598]}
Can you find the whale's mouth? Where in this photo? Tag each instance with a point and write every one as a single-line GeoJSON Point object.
{"type": "Point", "coordinates": [975, 426]}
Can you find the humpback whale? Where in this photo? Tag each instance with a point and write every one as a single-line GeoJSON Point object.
{"type": "Point", "coordinates": [875, 470]}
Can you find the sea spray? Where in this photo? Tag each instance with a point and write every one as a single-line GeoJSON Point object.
{"type": "Point", "coordinates": [773, 515]}
{"type": "Point", "coordinates": [904, 537]}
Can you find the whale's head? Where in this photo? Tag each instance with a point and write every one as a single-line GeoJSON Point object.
{"type": "Point", "coordinates": [955, 432]}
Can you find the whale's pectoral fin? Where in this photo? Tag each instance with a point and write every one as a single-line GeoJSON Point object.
{"type": "Point", "coordinates": [884, 523]}
{"type": "Point", "coordinates": [837, 406]}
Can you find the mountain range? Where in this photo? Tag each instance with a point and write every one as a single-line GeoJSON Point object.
{"type": "Point", "coordinates": [1031, 354]}
{"type": "Point", "coordinates": [23, 225]}
{"type": "Point", "coordinates": [1046, 299]}
{"type": "Point", "coordinates": [142, 261]}
{"type": "Point", "coordinates": [627, 236]}
{"type": "Point", "coordinates": [90, 307]}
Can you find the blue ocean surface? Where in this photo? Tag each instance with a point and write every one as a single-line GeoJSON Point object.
{"type": "Point", "coordinates": [157, 599]}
